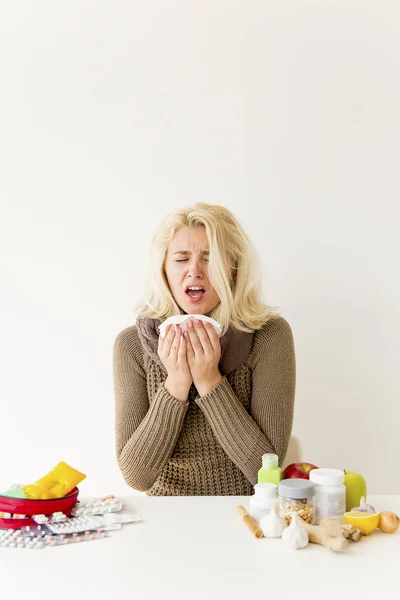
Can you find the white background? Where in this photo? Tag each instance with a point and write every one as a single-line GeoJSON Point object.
{"type": "Point", "coordinates": [113, 113]}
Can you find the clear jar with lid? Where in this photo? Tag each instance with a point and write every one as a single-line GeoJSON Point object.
{"type": "Point", "coordinates": [330, 493]}
{"type": "Point", "coordinates": [265, 497]}
{"type": "Point", "coordinates": [297, 495]}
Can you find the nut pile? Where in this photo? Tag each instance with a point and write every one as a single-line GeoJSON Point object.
{"type": "Point", "coordinates": [301, 507]}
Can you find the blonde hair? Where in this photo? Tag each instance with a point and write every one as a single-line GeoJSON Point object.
{"type": "Point", "coordinates": [233, 269]}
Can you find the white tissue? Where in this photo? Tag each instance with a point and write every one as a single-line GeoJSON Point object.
{"type": "Point", "coordinates": [183, 319]}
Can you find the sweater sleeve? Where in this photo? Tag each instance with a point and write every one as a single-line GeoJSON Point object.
{"type": "Point", "coordinates": [246, 436]}
{"type": "Point", "coordinates": [145, 434]}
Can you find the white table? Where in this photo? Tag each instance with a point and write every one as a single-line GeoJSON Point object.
{"type": "Point", "coordinates": [196, 548]}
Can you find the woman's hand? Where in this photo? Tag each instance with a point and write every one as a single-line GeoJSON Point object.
{"type": "Point", "coordinates": [172, 352]}
{"type": "Point", "coordinates": [203, 352]}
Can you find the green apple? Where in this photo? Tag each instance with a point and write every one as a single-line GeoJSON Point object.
{"type": "Point", "coordinates": [356, 487]}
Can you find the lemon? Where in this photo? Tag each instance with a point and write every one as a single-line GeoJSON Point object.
{"type": "Point", "coordinates": [367, 522]}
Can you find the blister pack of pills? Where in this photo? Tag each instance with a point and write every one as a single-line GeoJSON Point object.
{"type": "Point", "coordinates": [121, 518]}
{"type": "Point", "coordinates": [88, 536]}
{"type": "Point", "coordinates": [39, 537]}
{"type": "Point", "coordinates": [57, 517]}
{"type": "Point", "coordinates": [12, 538]}
{"type": "Point", "coordinates": [108, 522]}
{"type": "Point", "coordinates": [75, 525]}
{"type": "Point", "coordinates": [34, 530]}
{"type": "Point", "coordinates": [101, 506]}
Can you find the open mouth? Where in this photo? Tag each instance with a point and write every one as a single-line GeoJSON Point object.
{"type": "Point", "coordinates": [195, 293]}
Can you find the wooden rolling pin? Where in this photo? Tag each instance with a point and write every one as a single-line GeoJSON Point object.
{"type": "Point", "coordinates": [251, 524]}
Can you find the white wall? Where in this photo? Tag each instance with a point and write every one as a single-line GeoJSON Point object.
{"type": "Point", "coordinates": [113, 113]}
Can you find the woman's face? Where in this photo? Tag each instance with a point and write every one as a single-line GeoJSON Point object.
{"type": "Point", "coordinates": [186, 267]}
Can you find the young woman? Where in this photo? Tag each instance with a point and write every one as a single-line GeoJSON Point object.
{"type": "Point", "coordinates": [194, 412]}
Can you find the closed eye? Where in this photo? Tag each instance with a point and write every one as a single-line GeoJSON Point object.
{"type": "Point", "coordinates": [186, 259]}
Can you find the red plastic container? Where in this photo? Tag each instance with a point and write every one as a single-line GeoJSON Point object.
{"type": "Point", "coordinates": [28, 507]}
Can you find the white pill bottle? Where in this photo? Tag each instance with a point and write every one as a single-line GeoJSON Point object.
{"type": "Point", "coordinates": [330, 493]}
{"type": "Point", "coordinates": [265, 497]}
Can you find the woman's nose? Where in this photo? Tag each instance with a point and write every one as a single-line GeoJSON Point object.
{"type": "Point", "coordinates": [195, 269]}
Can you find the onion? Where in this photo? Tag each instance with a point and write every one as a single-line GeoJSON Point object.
{"type": "Point", "coordinates": [388, 521]}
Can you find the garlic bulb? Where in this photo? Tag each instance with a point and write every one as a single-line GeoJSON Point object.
{"type": "Point", "coordinates": [363, 507]}
{"type": "Point", "coordinates": [295, 535]}
{"type": "Point", "coordinates": [273, 524]}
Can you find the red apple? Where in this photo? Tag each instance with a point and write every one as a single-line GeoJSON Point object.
{"type": "Point", "coordinates": [300, 470]}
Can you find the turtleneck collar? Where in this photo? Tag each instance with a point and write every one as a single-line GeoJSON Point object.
{"type": "Point", "coordinates": [235, 345]}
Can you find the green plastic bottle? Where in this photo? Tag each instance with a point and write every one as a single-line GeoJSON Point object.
{"type": "Point", "coordinates": [270, 472]}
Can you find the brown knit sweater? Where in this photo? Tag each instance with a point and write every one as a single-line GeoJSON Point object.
{"type": "Point", "coordinates": [209, 445]}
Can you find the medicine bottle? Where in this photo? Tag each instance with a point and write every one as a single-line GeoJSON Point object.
{"type": "Point", "coordinates": [270, 472]}
{"type": "Point", "coordinates": [265, 497]}
{"type": "Point", "coordinates": [330, 493]}
{"type": "Point", "coordinates": [297, 495]}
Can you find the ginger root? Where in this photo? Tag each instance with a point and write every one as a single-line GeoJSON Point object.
{"type": "Point", "coordinates": [331, 538]}
{"type": "Point", "coordinates": [334, 527]}
{"type": "Point", "coordinates": [332, 533]}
